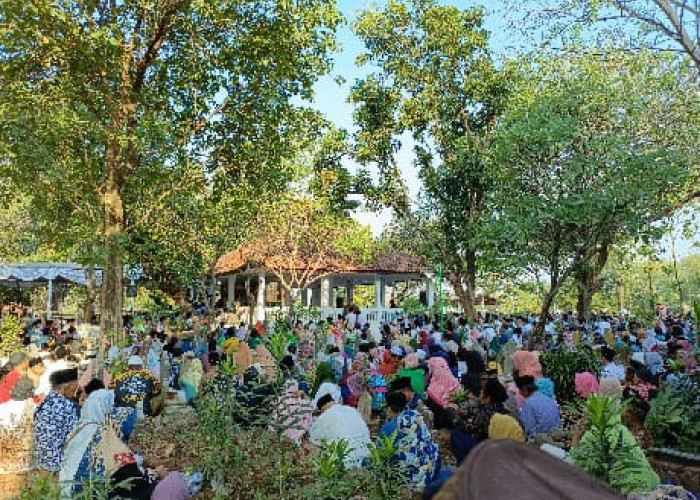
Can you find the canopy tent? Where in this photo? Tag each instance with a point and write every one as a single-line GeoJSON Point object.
{"type": "Point", "coordinates": [34, 273]}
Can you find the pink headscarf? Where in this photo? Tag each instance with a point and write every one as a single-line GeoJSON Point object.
{"type": "Point", "coordinates": [527, 364]}
{"type": "Point", "coordinates": [411, 361]}
{"type": "Point", "coordinates": [586, 384]}
{"type": "Point", "coordinates": [172, 487]}
{"type": "Point", "coordinates": [442, 382]}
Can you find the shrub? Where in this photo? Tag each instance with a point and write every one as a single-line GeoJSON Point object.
{"type": "Point", "coordinates": [10, 336]}
{"type": "Point", "coordinates": [562, 366]}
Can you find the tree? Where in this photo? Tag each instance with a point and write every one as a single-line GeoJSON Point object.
{"type": "Point", "coordinates": [664, 25]}
{"type": "Point", "coordinates": [435, 80]}
{"type": "Point", "coordinates": [593, 150]}
{"type": "Point", "coordinates": [300, 241]}
{"type": "Point", "coordinates": [155, 83]}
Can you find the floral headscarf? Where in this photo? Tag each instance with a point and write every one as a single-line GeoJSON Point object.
{"type": "Point", "coordinates": [417, 455]}
{"type": "Point", "coordinates": [442, 382]}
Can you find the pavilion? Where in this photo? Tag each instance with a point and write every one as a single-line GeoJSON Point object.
{"type": "Point", "coordinates": [245, 279]}
{"type": "Point", "coordinates": [38, 274]}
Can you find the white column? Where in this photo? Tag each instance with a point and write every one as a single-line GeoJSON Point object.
{"type": "Point", "coordinates": [260, 309]}
{"type": "Point", "coordinates": [309, 296]}
{"type": "Point", "coordinates": [430, 295]}
{"type": "Point", "coordinates": [231, 290]}
{"type": "Point", "coordinates": [49, 299]}
{"type": "Point", "coordinates": [325, 292]}
{"type": "Point", "coordinates": [378, 295]}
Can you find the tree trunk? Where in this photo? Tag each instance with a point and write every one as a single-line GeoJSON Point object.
{"type": "Point", "coordinates": [586, 286]}
{"type": "Point", "coordinates": [538, 331]}
{"type": "Point", "coordinates": [676, 276]}
{"type": "Point", "coordinates": [89, 306]}
{"type": "Point", "coordinates": [212, 289]}
{"type": "Point", "coordinates": [113, 266]}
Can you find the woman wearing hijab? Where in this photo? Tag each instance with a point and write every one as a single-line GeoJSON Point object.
{"type": "Point", "coordinates": [586, 384]}
{"type": "Point", "coordinates": [293, 414]}
{"type": "Point", "coordinates": [191, 376]}
{"type": "Point", "coordinates": [611, 387]}
{"type": "Point", "coordinates": [473, 423]}
{"type": "Point", "coordinates": [244, 358]}
{"type": "Point", "coordinates": [441, 387]}
{"type": "Point", "coordinates": [416, 374]}
{"type": "Point", "coordinates": [94, 450]}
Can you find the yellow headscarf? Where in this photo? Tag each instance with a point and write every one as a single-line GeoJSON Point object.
{"type": "Point", "coordinates": [505, 427]}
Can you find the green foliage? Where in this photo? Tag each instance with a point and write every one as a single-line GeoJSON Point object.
{"type": "Point", "coordinates": [609, 451]}
{"type": "Point", "coordinates": [10, 332]}
{"type": "Point", "coordinates": [155, 302]}
{"type": "Point", "coordinates": [335, 481]}
{"type": "Point", "coordinates": [385, 481]}
{"type": "Point", "coordinates": [674, 416]}
{"type": "Point", "coordinates": [562, 366]}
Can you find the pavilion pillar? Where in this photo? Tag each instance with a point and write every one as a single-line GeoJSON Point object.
{"type": "Point", "coordinates": [325, 292]}
{"type": "Point", "coordinates": [49, 299]}
{"type": "Point", "coordinates": [378, 293]}
{"type": "Point", "coordinates": [309, 297]}
{"type": "Point", "coordinates": [430, 295]}
{"type": "Point", "coordinates": [260, 307]}
{"type": "Point", "coordinates": [231, 297]}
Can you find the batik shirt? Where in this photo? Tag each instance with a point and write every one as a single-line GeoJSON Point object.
{"type": "Point", "coordinates": [134, 386]}
{"type": "Point", "coordinates": [417, 455]}
{"type": "Point", "coordinates": [54, 419]}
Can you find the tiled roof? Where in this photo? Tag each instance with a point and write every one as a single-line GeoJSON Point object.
{"type": "Point", "coordinates": [253, 255]}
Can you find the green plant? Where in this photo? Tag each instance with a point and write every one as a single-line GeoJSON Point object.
{"type": "Point", "coordinates": [10, 333]}
{"type": "Point", "coordinates": [674, 416]}
{"type": "Point", "coordinates": [460, 396]}
{"type": "Point", "coordinates": [609, 451]}
{"type": "Point", "coordinates": [385, 481]}
{"type": "Point", "coordinates": [562, 366]}
{"type": "Point", "coordinates": [334, 481]}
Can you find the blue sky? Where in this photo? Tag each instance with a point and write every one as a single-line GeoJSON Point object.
{"type": "Point", "coordinates": [331, 98]}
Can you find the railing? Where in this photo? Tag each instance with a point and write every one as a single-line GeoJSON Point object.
{"type": "Point", "coordinates": [374, 316]}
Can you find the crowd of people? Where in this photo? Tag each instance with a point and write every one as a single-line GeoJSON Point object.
{"type": "Point", "coordinates": [341, 381]}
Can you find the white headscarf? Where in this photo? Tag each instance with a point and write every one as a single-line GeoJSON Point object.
{"type": "Point", "coordinates": [93, 416]}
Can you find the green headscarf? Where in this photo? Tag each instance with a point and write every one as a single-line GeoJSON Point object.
{"type": "Point", "coordinates": [324, 373]}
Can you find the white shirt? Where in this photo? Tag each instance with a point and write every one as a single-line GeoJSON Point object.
{"type": "Point", "coordinates": [603, 326]}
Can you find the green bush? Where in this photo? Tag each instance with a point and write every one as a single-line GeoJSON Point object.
{"type": "Point", "coordinates": [674, 416]}
{"type": "Point", "coordinates": [562, 367]}
{"type": "Point", "coordinates": [10, 333]}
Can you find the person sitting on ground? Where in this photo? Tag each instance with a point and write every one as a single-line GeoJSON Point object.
{"type": "Point", "coordinates": [191, 376]}
{"type": "Point", "coordinates": [339, 422]}
{"type": "Point", "coordinates": [395, 404]}
{"type": "Point", "coordinates": [642, 386]}
{"type": "Point", "coordinates": [293, 412]}
{"type": "Point", "coordinates": [324, 383]}
{"type": "Point", "coordinates": [441, 387]}
{"type": "Point", "coordinates": [472, 425]}
{"type": "Point", "coordinates": [35, 372]}
{"type": "Point", "coordinates": [15, 369]}
{"type": "Point", "coordinates": [413, 401]}
{"type": "Point", "coordinates": [54, 420]}
{"type": "Point", "coordinates": [610, 368]}
{"type": "Point", "coordinates": [540, 413]}
{"type": "Point", "coordinates": [417, 457]}
{"type": "Point", "coordinates": [94, 451]}
{"type": "Point", "coordinates": [416, 374]}
{"type": "Point", "coordinates": [136, 384]}
{"type": "Point", "coordinates": [20, 407]}
{"type": "Point", "coordinates": [123, 418]}
{"type": "Point", "coordinates": [56, 362]}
